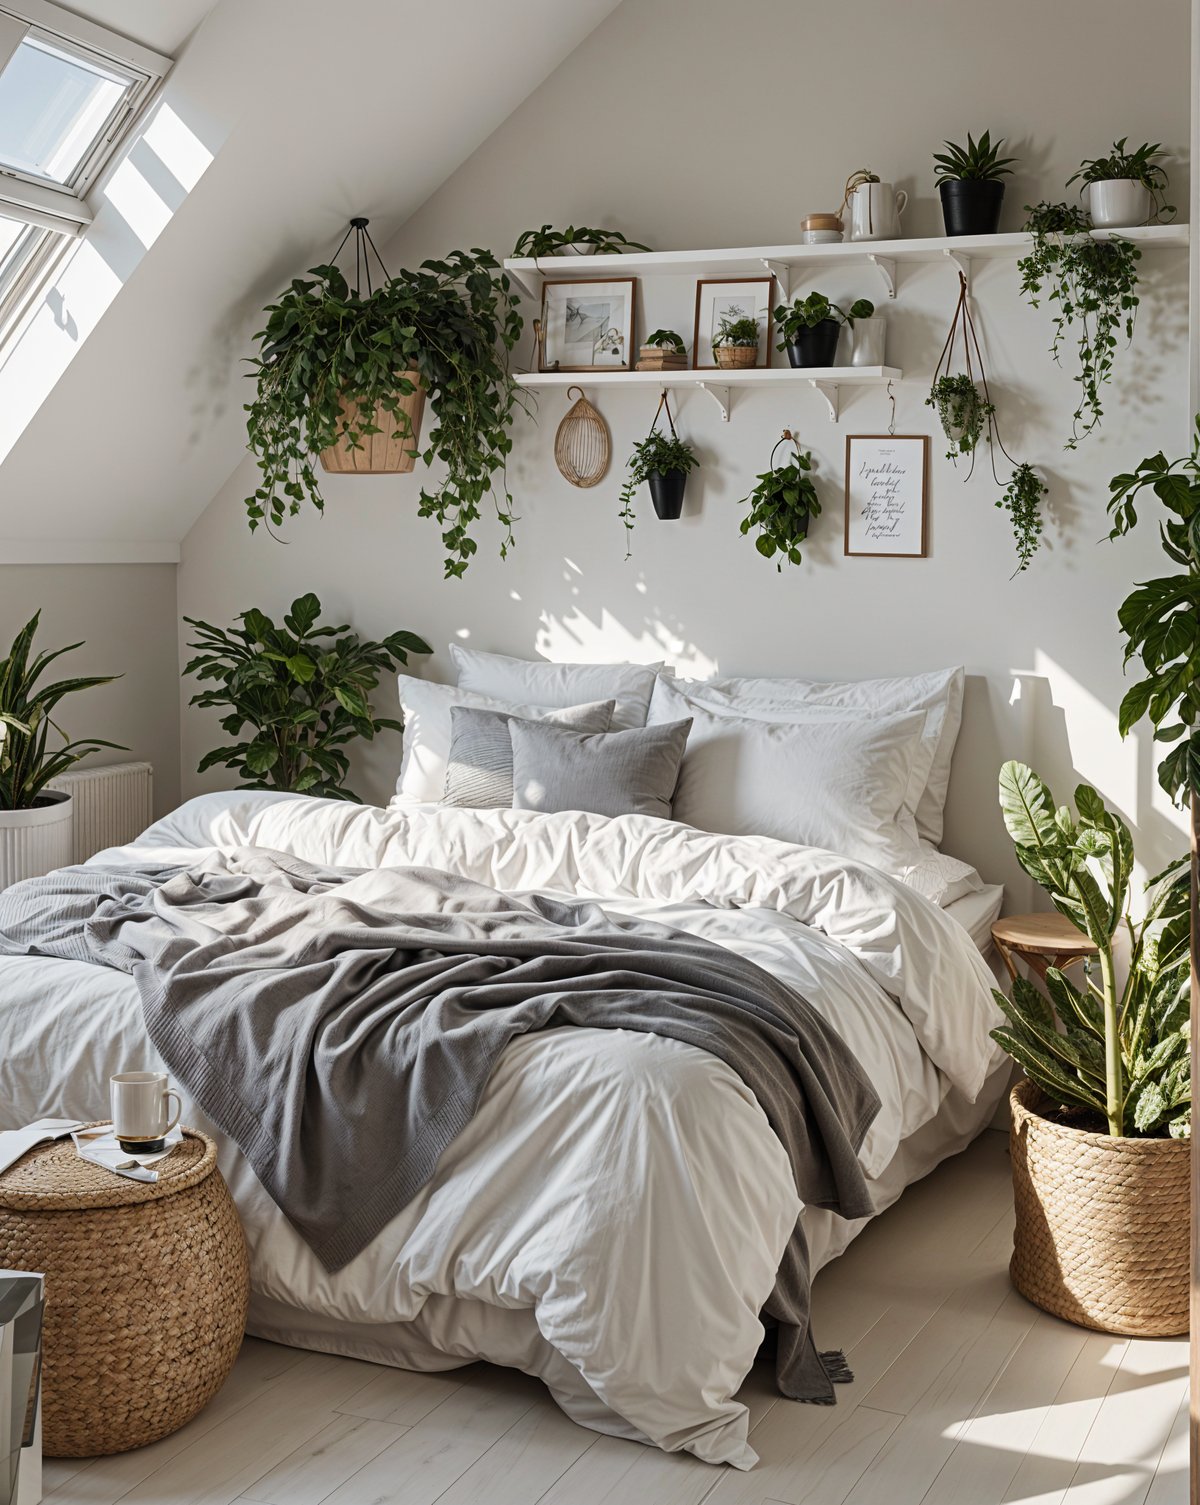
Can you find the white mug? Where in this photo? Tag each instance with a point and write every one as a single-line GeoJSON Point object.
{"type": "Point", "coordinates": [875, 210]}
{"type": "Point", "coordinates": [141, 1112]}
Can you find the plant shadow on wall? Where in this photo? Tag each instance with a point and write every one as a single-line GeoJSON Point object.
{"type": "Point", "coordinates": [344, 375]}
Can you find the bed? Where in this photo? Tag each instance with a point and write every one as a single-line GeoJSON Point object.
{"type": "Point", "coordinates": [613, 1216]}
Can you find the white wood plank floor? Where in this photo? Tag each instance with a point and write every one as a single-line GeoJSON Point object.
{"type": "Point", "coordinates": [964, 1395]}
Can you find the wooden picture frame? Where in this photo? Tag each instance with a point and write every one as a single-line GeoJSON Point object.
{"type": "Point", "coordinates": [601, 318]}
{"type": "Point", "coordinates": [887, 496]}
{"type": "Point", "coordinates": [707, 313]}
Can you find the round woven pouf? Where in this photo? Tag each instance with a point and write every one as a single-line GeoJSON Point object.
{"type": "Point", "coordinates": [1102, 1235]}
{"type": "Point", "coordinates": [146, 1291]}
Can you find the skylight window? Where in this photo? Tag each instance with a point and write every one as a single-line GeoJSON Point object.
{"type": "Point", "coordinates": [70, 92]}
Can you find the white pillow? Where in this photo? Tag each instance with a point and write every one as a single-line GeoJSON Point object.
{"type": "Point", "coordinates": [546, 684]}
{"type": "Point", "coordinates": [939, 692]}
{"type": "Point", "coordinates": [428, 731]}
{"type": "Point", "coordinates": [940, 878]}
{"type": "Point", "coordinates": [840, 785]}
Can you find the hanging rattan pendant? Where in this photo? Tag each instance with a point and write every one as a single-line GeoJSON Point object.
{"type": "Point", "coordinates": [582, 447]}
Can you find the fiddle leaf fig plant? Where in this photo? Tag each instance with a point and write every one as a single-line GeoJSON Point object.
{"type": "Point", "coordinates": [331, 358]}
{"type": "Point", "coordinates": [1093, 287]}
{"type": "Point", "coordinates": [1119, 1053]}
{"type": "Point", "coordinates": [28, 760]}
{"type": "Point", "coordinates": [781, 506]}
{"type": "Point", "coordinates": [302, 690]}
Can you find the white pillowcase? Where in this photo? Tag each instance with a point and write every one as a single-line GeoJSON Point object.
{"type": "Point", "coordinates": [428, 731]}
{"type": "Point", "coordinates": [545, 684]}
{"type": "Point", "coordinates": [940, 693]}
{"type": "Point", "coordinates": [837, 784]}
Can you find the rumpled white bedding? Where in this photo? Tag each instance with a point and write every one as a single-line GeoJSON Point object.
{"type": "Point", "coordinates": [613, 1217]}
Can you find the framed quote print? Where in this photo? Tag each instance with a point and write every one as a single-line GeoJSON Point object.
{"type": "Point", "coordinates": [887, 478]}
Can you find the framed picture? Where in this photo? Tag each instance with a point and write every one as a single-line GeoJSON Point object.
{"type": "Point", "coordinates": [887, 478]}
{"type": "Point", "coordinates": [731, 298]}
{"type": "Point", "coordinates": [587, 326]}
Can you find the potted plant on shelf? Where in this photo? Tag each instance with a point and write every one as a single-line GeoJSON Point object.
{"type": "Point", "coordinates": [342, 374]}
{"type": "Point", "coordinates": [971, 186]}
{"type": "Point", "coordinates": [735, 344]}
{"type": "Point", "coordinates": [811, 326]}
{"type": "Point", "coordinates": [35, 820]}
{"type": "Point", "coordinates": [1092, 285]}
{"type": "Point", "coordinates": [782, 505]}
{"type": "Point", "coordinates": [663, 464]}
{"type": "Point", "coordinates": [303, 690]}
{"type": "Point", "coordinates": [664, 350]}
{"type": "Point", "coordinates": [1100, 1157]}
{"type": "Point", "coordinates": [575, 240]}
{"type": "Point", "coordinates": [1124, 188]}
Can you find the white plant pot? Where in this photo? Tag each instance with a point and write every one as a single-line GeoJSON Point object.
{"type": "Point", "coordinates": [1118, 203]}
{"type": "Point", "coordinates": [37, 841]}
{"type": "Point", "coordinates": [870, 342]}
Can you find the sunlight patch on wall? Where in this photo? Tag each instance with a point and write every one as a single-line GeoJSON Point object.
{"type": "Point", "coordinates": [1097, 751]}
{"type": "Point", "coordinates": [576, 637]}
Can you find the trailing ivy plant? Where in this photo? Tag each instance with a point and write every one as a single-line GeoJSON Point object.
{"type": "Point", "coordinates": [1022, 500]}
{"type": "Point", "coordinates": [1160, 620]}
{"type": "Point", "coordinates": [547, 241]}
{"type": "Point", "coordinates": [330, 357]}
{"type": "Point", "coordinates": [1093, 284]}
{"type": "Point", "coordinates": [656, 452]}
{"type": "Point", "coordinates": [962, 410]}
{"type": "Point", "coordinates": [303, 690]}
{"type": "Point", "coordinates": [1138, 166]}
{"type": "Point", "coordinates": [1119, 1053]}
{"type": "Point", "coordinates": [781, 507]}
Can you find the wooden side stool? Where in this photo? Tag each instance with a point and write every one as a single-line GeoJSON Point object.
{"type": "Point", "coordinates": [1040, 941]}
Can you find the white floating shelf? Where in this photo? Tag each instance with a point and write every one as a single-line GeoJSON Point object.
{"type": "Point", "coordinates": [717, 383]}
{"type": "Point", "coordinates": [786, 263]}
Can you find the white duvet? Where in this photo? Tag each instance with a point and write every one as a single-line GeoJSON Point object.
{"type": "Point", "coordinates": [613, 1217]}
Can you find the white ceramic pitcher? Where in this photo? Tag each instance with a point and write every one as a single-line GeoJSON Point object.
{"type": "Point", "coordinates": [875, 210]}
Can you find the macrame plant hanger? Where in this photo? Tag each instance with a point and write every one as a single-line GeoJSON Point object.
{"type": "Point", "coordinates": [963, 325]}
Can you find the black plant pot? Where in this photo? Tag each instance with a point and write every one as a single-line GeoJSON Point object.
{"type": "Point", "coordinates": [666, 492]}
{"type": "Point", "coordinates": [816, 346]}
{"type": "Point", "coordinates": [971, 207]}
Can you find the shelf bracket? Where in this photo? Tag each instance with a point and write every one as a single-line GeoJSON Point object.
{"type": "Point", "coordinates": [782, 273]}
{"type": "Point", "coordinates": [961, 260]}
{"type": "Point", "coordinates": [886, 267]}
{"type": "Point", "coordinates": [829, 390]}
{"type": "Point", "coordinates": [531, 287]}
{"type": "Point", "coordinates": [720, 395]}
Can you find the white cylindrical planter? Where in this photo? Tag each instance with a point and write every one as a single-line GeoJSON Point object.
{"type": "Point", "coordinates": [1118, 203]}
{"type": "Point", "coordinates": [870, 342]}
{"type": "Point", "coordinates": [33, 842]}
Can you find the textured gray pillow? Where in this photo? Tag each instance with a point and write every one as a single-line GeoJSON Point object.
{"type": "Point", "coordinates": [479, 769]}
{"type": "Point", "coordinates": [621, 773]}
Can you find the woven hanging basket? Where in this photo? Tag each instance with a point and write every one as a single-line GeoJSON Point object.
{"type": "Point", "coordinates": [1103, 1234]}
{"type": "Point", "coordinates": [379, 454]}
{"type": "Point", "coordinates": [147, 1285]}
{"type": "Point", "coordinates": [582, 447]}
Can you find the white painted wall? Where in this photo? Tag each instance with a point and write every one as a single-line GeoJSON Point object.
{"type": "Point", "coordinates": [125, 616]}
{"type": "Point", "coordinates": [692, 122]}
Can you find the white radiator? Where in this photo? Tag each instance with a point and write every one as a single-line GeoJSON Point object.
{"type": "Point", "coordinates": [111, 805]}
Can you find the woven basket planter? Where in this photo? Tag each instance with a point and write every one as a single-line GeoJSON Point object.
{"type": "Point", "coordinates": [379, 454]}
{"type": "Point", "coordinates": [735, 357]}
{"type": "Point", "coordinates": [1102, 1235]}
{"type": "Point", "coordinates": [146, 1291]}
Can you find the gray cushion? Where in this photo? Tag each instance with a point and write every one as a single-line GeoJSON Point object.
{"type": "Point", "coordinates": [479, 770]}
{"type": "Point", "coordinates": [622, 773]}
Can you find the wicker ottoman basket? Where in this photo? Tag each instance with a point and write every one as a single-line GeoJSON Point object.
{"type": "Point", "coordinates": [146, 1291]}
{"type": "Point", "coordinates": [1102, 1235]}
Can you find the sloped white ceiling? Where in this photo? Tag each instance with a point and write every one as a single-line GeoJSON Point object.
{"type": "Point", "coordinates": [314, 112]}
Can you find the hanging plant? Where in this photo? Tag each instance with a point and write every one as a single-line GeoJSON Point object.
{"type": "Point", "coordinates": [962, 411]}
{"type": "Point", "coordinates": [1093, 285]}
{"type": "Point", "coordinates": [334, 367]}
{"type": "Point", "coordinates": [663, 463]}
{"type": "Point", "coordinates": [782, 505]}
{"type": "Point", "coordinates": [1022, 500]}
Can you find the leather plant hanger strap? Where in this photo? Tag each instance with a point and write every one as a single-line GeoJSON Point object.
{"type": "Point", "coordinates": [664, 406]}
{"type": "Point", "coordinates": [783, 439]}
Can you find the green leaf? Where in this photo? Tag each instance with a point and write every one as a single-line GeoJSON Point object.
{"type": "Point", "coordinates": [261, 756]}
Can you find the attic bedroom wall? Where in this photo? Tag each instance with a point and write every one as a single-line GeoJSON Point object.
{"type": "Point", "coordinates": [694, 123]}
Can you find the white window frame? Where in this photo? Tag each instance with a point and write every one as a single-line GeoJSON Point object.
{"type": "Point", "coordinates": [61, 212]}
